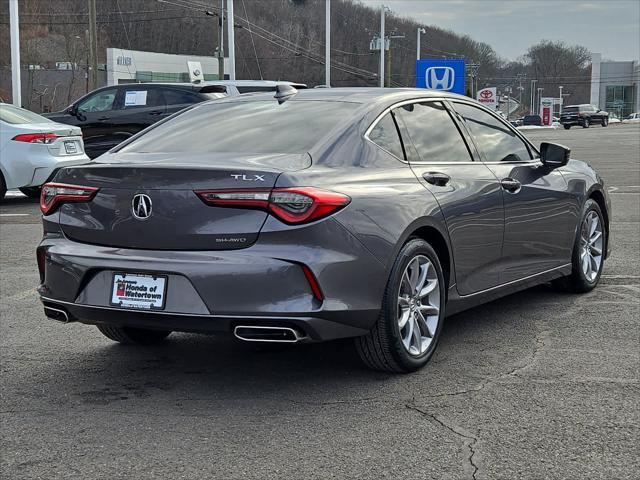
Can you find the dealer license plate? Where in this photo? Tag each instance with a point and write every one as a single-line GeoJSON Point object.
{"type": "Point", "coordinates": [139, 291]}
{"type": "Point", "coordinates": [71, 147]}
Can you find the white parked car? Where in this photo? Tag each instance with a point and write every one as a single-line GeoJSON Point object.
{"type": "Point", "coordinates": [632, 118]}
{"type": "Point", "coordinates": [33, 148]}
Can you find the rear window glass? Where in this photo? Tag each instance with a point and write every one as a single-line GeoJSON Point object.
{"type": "Point", "coordinates": [570, 110]}
{"type": "Point", "coordinates": [245, 127]}
{"type": "Point", "coordinates": [15, 115]}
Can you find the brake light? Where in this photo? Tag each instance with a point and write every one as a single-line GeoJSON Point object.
{"type": "Point", "coordinates": [291, 205]}
{"type": "Point", "coordinates": [36, 137]}
{"type": "Point", "coordinates": [54, 194]}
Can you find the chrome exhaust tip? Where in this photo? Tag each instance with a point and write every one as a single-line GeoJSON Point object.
{"type": "Point", "coordinates": [57, 314]}
{"type": "Point", "coordinates": [251, 333]}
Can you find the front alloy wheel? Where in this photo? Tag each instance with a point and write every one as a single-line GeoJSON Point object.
{"type": "Point", "coordinates": [589, 251]}
{"type": "Point", "coordinates": [407, 330]}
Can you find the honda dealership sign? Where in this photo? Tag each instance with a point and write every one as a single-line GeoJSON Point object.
{"type": "Point", "coordinates": [488, 97]}
{"type": "Point", "coordinates": [447, 75]}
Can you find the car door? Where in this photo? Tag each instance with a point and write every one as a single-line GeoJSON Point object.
{"type": "Point", "coordinates": [468, 193]}
{"type": "Point", "coordinates": [141, 105]}
{"type": "Point", "coordinates": [94, 115]}
{"type": "Point", "coordinates": [540, 216]}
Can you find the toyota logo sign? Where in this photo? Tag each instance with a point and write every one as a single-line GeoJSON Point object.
{"type": "Point", "coordinates": [486, 94]}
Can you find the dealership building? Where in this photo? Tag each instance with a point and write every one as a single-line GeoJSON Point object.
{"type": "Point", "coordinates": [130, 66]}
{"type": "Point", "coordinates": [615, 86]}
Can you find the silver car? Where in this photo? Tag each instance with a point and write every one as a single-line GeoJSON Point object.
{"type": "Point", "coordinates": [315, 215]}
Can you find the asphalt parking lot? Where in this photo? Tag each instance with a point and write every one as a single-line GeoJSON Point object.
{"type": "Point", "coordinates": [536, 385]}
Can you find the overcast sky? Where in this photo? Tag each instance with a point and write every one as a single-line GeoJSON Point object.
{"type": "Point", "coordinates": [610, 27]}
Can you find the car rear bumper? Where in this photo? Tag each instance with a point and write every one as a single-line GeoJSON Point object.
{"type": "Point", "coordinates": [213, 291]}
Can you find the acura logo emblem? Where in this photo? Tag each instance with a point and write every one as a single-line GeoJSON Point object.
{"type": "Point", "coordinates": [141, 206]}
{"type": "Point", "coordinates": [440, 78]}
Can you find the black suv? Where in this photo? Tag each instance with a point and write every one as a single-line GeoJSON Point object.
{"type": "Point", "coordinates": [583, 115]}
{"type": "Point", "coordinates": [112, 114]}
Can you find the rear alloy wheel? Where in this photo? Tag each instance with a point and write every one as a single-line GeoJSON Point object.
{"type": "Point", "coordinates": [585, 123]}
{"type": "Point", "coordinates": [605, 121]}
{"type": "Point", "coordinates": [588, 252]}
{"type": "Point", "coordinates": [407, 331]}
{"type": "Point", "coordinates": [133, 336]}
{"type": "Point", "coordinates": [31, 192]}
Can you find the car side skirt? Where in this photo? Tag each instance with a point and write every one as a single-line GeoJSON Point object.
{"type": "Point", "coordinates": [457, 303]}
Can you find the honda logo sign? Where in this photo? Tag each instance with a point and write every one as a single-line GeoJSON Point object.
{"type": "Point", "coordinates": [440, 78]}
{"type": "Point", "coordinates": [447, 75]}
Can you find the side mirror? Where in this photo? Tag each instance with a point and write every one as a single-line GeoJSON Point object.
{"type": "Point", "coordinates": [554, 155]}
{"type": "Point", "coordinates": [72, 110]}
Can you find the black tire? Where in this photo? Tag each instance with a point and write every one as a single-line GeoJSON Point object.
{"type": "Point", "coordinates": [577, 282]}
{"type": "Point", "coordinates": [382, 348]}
{"type": "Point", "coordinates": [31, 192]}
{"type": "Point", "coordinates": [3, 188]}
{"type": "Point", "coordinates": [605, 121]}
{"type": "Point", "coordinates": [567, 127]}
{"type": "Point", "coordinates": [586, 123]}
{"type": "Point", "coordinates": [133, 336]}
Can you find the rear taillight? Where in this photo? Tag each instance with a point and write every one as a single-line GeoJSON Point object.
{"type": "Point", "coordinates": [54, 194]}
{"type": "Point", "coordinates": [36, 137]}
{"type": "Point", "coordinates": [291, 205]}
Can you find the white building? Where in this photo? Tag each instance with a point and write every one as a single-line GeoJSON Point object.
{"type": "Point", "coordinates": [615, 86]}
{"type": "Point", "coordinates": [127, 66]}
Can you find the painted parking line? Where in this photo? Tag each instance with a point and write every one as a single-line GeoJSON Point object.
{"type": "Point", "coordinates": [15, 214]}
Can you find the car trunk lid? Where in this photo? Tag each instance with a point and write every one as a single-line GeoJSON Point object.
{"type": "Point", "coordinates": [172, 216]}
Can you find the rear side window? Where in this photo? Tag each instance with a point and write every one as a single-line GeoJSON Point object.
{"type": "Point", "coordinates": [433, 132]}
{"type": "Point", "coordinates": [179, 97]}
{"type": "Point", "coordinates": [246, 127]}
{"type": "Point", "coordinates": [385, 135]}
{"type": "Point", "coordinates": [249, 89]}
{"type": "Point", "coordinates": [495, 140]}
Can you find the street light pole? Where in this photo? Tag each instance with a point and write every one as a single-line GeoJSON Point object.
{"type": "Point", "coordinates": [16, 84]}
{"type": "Point", "coordinates": [538, 99]}
{"type": "Point", "coordinates": [327, 43]}
{"type": "Point", "coordinates": [420, 30]}
{"type": "Point", "coordinates": [561, 101]}
{"type": "Point", "coordinates": [532, 98]}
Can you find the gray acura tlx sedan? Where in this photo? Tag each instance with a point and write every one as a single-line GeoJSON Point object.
{"type": "Point", "coordinates": [315, 215]}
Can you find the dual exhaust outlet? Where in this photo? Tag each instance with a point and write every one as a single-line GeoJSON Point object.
{"type": "Point", "coordinates": [247, 333]}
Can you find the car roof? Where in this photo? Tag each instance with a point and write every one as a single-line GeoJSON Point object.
{"type": "Point", "coordinates": [354, 94]}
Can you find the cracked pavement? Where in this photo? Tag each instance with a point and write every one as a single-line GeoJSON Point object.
{"type": "Point", "coordinates": [536, 385]}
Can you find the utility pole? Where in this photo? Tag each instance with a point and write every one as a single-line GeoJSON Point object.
{"type": "Point", "coordinates": [382, 44]}
{"type": "Point", "coordinates": [232, 41]}
{"type": "Point", "coordinates": [327, 43]}
{"type": "Point", "coordinates": [93, 44]}
{"type": "Point", "coordinates": [420, 30]}
{"type": "Point", "coordinates": [16, 84]}
{"type": "Point", "coordinates": [474, 79]}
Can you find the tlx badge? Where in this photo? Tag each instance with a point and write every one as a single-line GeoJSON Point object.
{"type": "Point", "coordinates": [248, 178]}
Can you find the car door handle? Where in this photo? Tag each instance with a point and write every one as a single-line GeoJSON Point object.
{"type": "Point", "coordinates": [511, 185]}
{"type": "Point", "coordinates": [104, 118]}
{"type": "Point", "coordinates": [156, 112]}
{"type": "Point", "coordinates": [436, 178]}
